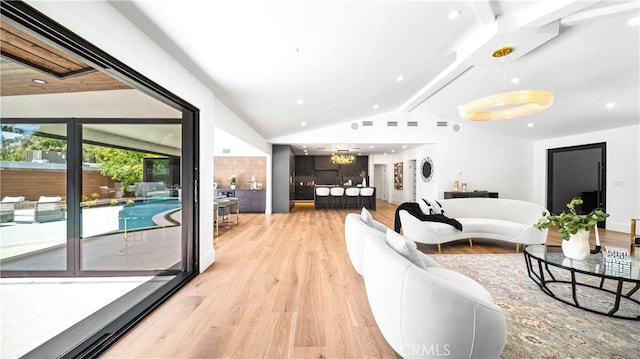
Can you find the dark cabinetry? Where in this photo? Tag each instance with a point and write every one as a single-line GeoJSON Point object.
{"type": "Point", "coordinates": [304, 192]}
{"type": "Point", "coordinates": [251, 201]}
{"type": "Point", "coordinates": [305, 166]}
{"type": "Point", "coordinates": [479, 194]}
{"type": "Point", "coordinates": [324, 163]}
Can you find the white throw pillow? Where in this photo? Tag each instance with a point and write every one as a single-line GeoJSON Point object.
{"type": "Point", "coordinates": [404, 247]}
{"type": "Point", "coordinates": [49, 199]}
{"type": "Point", "coordinates": [9, 199]}
{"type": "Point", "coordinates": [366, 217]}
{"type": "Point", "coordinates": [430, 207]}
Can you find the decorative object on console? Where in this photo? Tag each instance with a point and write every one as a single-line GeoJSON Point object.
{"type": "Point", "coordinates": [574, 228]}
{"type": "Point", "coordinates": [363, 175]}
{"type": "Point", "coordinates": [456, 186]}
{"type": "Point", "coordinates": [397, 176]}
{"type": "Point", "coordinates": [426, 169]}
{"type": "Point", "coordinates": [232, 181]}
{"type": "Point", "coordinates": [464, 187]}
{"type": "Point", "coordinates": [508, 104]}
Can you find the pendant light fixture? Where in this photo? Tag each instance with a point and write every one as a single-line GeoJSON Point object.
{"type": "Point", "coordinates": [506, 105]}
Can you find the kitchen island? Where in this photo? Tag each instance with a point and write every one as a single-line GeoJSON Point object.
{"type": "Point", "coordinates": [345, 201]}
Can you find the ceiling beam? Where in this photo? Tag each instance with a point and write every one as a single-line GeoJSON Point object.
{"type": "Point", "coordinates": [484, 10]}
{"type": "Point", "coordinates": [603, 11]}
{"type": "Point", "coordinates": [551, 10]}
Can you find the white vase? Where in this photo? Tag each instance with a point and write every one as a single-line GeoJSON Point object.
{"type": "Point", "coordinates": [577, 247]}
{"type": "Point", "coordinates": [233, 186]}
{"type": "Point", "coordinates": [364, 182]}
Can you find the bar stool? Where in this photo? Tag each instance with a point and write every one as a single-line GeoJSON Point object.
{"type": "Point", "coordinates": [337, 192]}
{"type": "Point", "coordinates": [322, 192]}
{"type": "Point", "coordinates": [367, 192]}
{"type": "Point", "coordinates": [224, 210]}
{"type": "Point", "coordinates": [215, 217]}
{"type": "Point", "coordinates": [352, 192]}
{"type": "Point", "coordinates": [234, 207]}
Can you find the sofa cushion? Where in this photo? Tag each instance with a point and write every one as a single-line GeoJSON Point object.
{"type": "Point", "coordinates": [478, 225]}
{"type": "Point", "coordinates": [49, 199]}
{"type": "Point", "coordinates": [430, 206]}
{"type": "Point", "coordinates": [405, 247]}
{"type": "Point", "coordinates": [8, 199]}
{"type": "Point", "coordinates": [366, 217]}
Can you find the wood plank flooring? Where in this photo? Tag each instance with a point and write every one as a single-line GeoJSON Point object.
{"type": "Point", "coordinates": [282, 286]}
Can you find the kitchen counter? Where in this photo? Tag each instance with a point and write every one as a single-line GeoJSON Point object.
{"type": "Point", "coordinates": [322, 202]}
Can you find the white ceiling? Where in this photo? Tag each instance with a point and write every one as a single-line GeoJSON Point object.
{"type": "Point", "coordinates": [344, 57]}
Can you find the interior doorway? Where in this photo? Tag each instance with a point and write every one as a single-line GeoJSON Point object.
{"type": "Point", "coordinates": [412, 177]}
{"type": "Point", "coordinates": [577, 171]}
{"type": "Point", "coordinates": [380, 177]}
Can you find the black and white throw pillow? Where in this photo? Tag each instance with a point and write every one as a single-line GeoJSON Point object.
{"type": "Point", "coordinates": [430, 207]}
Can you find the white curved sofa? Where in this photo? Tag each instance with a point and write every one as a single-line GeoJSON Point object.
{"type": "Point", "coordinates": [357, 232]}
{"type": "Point", "coordinates": [496, 218]}
{"type": "Point", "coordinates": [430, 312]}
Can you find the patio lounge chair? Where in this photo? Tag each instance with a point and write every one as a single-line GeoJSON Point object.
{"type": "Point", "coordinates": [46, 209]}
{"type": "Point", "coordinates": [7, 208]}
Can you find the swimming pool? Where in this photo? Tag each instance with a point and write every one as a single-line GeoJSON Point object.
{"type": "Point", "coordinates": [140, 214]}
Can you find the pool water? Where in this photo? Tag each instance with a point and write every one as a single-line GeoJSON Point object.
{"type": "Point", "coordinates": [140, 214]}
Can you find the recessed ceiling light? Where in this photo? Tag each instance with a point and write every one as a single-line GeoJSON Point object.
{"type": "Point", "coordinates": [375, 107]}
{"type": "Point", "coordinates": [400, 78]}
{"type": "Point", "coordinates": [306, 153]}
{"type": "Point", "coordinates": [634, 21]}
{"type": "Point", "coordinates": [304, 146]}
{"type": "Point", "coordinates": [454, 14]}
{"type": "Point", "coordinates": [403, 147]}
{"type": "Point", "coordinates": [39, 81]}
{"type": "Point", "coordinates": [303, 123]}
{"type": "Point", "coordinates": [371, 146]}
{"type": "Point", "coordinates": [530, 124]}
{"type": "Point", "coordinates": [300, 101]}
{"type": "Point", "coordinates": [359, 153]}
{"type": "Point", "coordinates": [384, 154]}
{"type": "Point", "coordinates": [515, 80]}
{"type": "Point", "coordinates": [610, 105]}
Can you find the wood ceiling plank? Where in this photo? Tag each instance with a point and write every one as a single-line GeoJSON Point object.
{"type": "Point", "coordinates": [33, 51]}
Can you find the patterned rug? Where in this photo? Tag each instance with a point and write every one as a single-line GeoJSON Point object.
{"type": "Point", "coordinates": [539, 326]}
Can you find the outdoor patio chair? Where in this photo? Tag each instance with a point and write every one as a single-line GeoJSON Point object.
{"type": "Point", "coordinates": [46, 209]}
{"type": "Point", "coordinates": [7, 208]}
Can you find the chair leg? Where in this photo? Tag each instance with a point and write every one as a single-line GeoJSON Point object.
{"type": "Point", "coordinates": [517, 247]}
{"type": "Point", "coordinates": [470, 242]}
{"type": "Point", "coordinates": [439, 248]}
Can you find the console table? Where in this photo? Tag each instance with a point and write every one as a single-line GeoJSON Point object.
{"type": "Point", "coordinates": [472, 194]}
{"type": "Point", "coordinates": [540, 257]}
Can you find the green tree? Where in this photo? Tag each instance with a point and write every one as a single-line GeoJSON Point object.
{"type": "Point", "coordinates": [120, 165]}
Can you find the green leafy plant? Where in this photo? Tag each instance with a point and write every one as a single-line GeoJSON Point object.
{"type": "Point", "coordinates": [114, 202]}
{"type": "Point", "coordinates": [569, 223]}
{"type": "Point", "coordinates": [232, 179]}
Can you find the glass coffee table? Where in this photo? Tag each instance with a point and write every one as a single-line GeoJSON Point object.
{"type": "Point", "coordinates": [553, 272]}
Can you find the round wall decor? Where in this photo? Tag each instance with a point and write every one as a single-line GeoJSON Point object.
{"type": "Point", "coordinates": [426, 169]}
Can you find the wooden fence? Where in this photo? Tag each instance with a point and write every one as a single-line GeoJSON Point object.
{"type": "Point", "coordinates": [33, 183]}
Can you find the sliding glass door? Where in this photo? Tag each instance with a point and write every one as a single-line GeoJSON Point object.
{"type": "Point", "coordinates": [33, 182]}
{"type": "Point", "coordinates": [131, 202]}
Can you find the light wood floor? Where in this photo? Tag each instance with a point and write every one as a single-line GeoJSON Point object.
{"type": "Point", "coordinates": [282, 286]}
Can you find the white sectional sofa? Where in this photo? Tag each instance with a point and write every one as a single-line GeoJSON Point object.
{"type": "Point", "coordinates": [422, 309]}
{"type": "Point", "coordinates": [496, 218]}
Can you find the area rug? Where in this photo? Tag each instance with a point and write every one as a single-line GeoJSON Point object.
{"type": "Point", "coordinates": [539, 326]}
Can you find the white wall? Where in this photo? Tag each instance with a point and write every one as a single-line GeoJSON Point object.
{"type": "Point", "coordinates": [102, 25]}
{"type": "Point", "coordinates": [623, 171]}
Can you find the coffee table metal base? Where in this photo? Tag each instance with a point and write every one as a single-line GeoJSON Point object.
{"type": "Point", "coordinates": [542, 280]}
